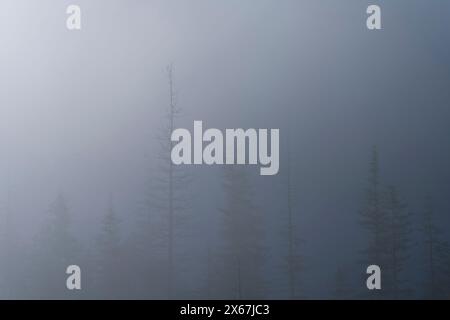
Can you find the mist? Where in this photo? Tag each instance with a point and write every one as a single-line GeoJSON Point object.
{"type": "Point", "coordinates": [84, 164]}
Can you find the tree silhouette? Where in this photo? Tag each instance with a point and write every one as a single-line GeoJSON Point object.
{"type": "Point", "coordinates": [109, 261]}
{"type": "Point", "coordinates": [241, 276]}
{"type": "Point", "coordinates": [165, 205]}
{"type": "Point", "coordinates": [373, 219]}
{"type": "Point", "coordinates": [400, 228]}
{"type": "Point", "coordinates": [58, 249]}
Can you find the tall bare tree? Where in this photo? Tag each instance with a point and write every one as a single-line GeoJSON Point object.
{"type": "Point", "coordinates": [166, 205]}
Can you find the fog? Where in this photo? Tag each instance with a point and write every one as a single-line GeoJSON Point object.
{"type": "Point", "coordinates": [81, 118]}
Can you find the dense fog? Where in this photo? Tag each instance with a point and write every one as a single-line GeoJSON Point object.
{"type": "Point", "coordinates": [85, 171]}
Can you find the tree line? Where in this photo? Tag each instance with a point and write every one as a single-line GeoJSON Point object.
{"type": "Point", "coordinates": [147, 263]}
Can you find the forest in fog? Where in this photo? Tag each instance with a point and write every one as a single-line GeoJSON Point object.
{"type": "Point", "coordinates": [86, 176]}
{"type": "Point", "coordinates": [150, 260]}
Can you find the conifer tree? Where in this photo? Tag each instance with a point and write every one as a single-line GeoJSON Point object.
{"type": "Point", "coordinates": [241, 276]}
{"type": "Point", "coordinates": [110, 257]}
{"type": "Point", "coordinates": [373, 219]}
{"type": "Point", "coordinates": [58, 249]}
{"type": "Point", "coordinates": [399, 243]}
{"type": "Point", "coordinates": [165, 206]}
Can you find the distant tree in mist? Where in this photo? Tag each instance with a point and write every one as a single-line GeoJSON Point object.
{"type": "Point", "coordinates": [59, 236]}
{"type": "Point", "coordinates": [165, 205]}
{"type": "Point", "coordinates": [57, 248]}
{"type": "Point", "coordinates": [295, 263]}
{"type": "Point", "coordinates": [373, 219]}
{"type": "Point", "coordinates": [110, 256]}
{"type": "Point", "coordinates": [240, 272]}
{"type": "Point", "coordinates": [437, 257]}
{"type": "Point", "coordinates": [399, 244]}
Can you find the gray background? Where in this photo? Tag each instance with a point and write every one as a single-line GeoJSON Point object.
{"type": "Point", "coordinates": [81, 111]}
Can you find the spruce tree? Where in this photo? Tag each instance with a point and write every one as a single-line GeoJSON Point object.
{"type": "Point", "coordinates": [373, 220]}
{"type": "Point", "coordinates": [399, 243]}
{"type": "Point", "coordinates": [243, 251]}
{"type": "Point", "coordinates": [110, 258]}
{"type": "Point", "coordinates": [58, 249]}
{"type": "Point", "coordinates": [165, 206]}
